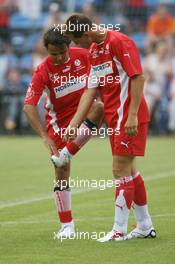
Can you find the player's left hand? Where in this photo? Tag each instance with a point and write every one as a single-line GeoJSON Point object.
{"type": "Point", "coordinates": [70, 133]}
{"type": "Point", "coordinates": [131, 125]}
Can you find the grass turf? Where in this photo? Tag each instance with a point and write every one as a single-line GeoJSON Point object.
{"type": "Point", "coordinates": [28, 217]}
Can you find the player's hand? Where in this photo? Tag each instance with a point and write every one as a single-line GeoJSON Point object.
{"type": "Point", "coordinates": [70, 133]}
{"type": "Point", "coordinates": [50, 145]}
{"type": "Point", "coordinates": [131, 126]}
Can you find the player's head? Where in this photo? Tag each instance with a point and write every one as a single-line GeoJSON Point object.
{"type": "Point", "coordinates": [57, 45]}
{"type": "Point", "coordinates": [79, 29]}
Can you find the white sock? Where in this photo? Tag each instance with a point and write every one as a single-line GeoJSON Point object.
{"type": "Point", "coordinates": [142, 216]}
{"type": "Point", "coordinates": [121, 214]}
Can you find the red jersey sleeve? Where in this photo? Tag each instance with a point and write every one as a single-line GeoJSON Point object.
{"type": "Point", "coordinates": [35, 88]}
{"type": "Point", "coordinates": [126, 52]}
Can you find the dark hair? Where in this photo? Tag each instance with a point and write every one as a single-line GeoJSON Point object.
{"type": "Point", "coordinates": [55, 37]}
{"type": "Point", "coordinates": [77, 24]}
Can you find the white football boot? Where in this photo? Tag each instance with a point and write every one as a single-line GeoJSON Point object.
{"type": "Point", "coordinates": [112, 236]}
{"type": "Point", "coordinates": [67, 231]}
{"type": "Point", "coordinates": [61, 159]}
{"type": "Point", "coordinates": [138, 233]}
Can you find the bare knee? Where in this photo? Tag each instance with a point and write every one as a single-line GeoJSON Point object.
{"type": "Point", "coordinates": [96, 112]}
{"type": "Point", "coordinates": [122, 166]}
{"type": "Point", "coordinates": [62, 175]}
{"type": "Point", "coordinates": [98, 108]}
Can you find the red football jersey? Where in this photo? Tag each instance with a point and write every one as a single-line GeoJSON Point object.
{"type": "Point", "coordinates": [113, 63]}
{"type": "Point", "coordinates": [63, 84]}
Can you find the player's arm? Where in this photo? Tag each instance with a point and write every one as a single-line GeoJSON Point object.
{"type": "Point", "coordinates": [32, 115]}
{"type": "Point", "coordinates": [137, 84]}
{"type": "Point", "coordinates": [81, 113]}
{"type": "Point", "coordinates": [33, 95]}
{"type": "Point", "coordinates": [84, 105]}
{"type": "Point", "coordinates": [128, 55]}
{"type": "Point", "coordinates": [35, 122]}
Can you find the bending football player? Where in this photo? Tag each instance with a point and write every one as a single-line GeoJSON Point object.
{"type": "Point", "coordinates": [63, 77]}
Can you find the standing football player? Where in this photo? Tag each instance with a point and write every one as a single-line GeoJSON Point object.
{"type": "Point", "coordinates": [115, 58]}
{"type": "Point", "coordinates": [63, 77]}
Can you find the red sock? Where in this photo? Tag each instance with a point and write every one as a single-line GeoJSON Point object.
{"type": "Point", "coordinates": [65, 217]}
{"type": "Point", "coordinates": [84, 134]}
{"type": "Point", "coordinates": [127, 185]}
{"type": "Point", "coordinates": [63, 204]}
{"type": "Point", "coordinates": [72, 148]}
{"type": "Point", "coordinates": [140, 190]}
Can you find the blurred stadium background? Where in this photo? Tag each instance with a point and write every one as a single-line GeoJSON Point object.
{"type": "Point", "coordinates": [27, 212]}
{"type": "Point", "coordinates": [150, 23]}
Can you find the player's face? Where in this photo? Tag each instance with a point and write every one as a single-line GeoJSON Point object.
{"type": "Point", "coordinates": [60, 54]}
{"type": "Point", "coordinates": [85, 41]}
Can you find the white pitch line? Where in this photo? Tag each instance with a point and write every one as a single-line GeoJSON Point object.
{"type": "Point", "coordinates": [47, 197]}
{"type": "Point", "coordinates": [37, 199]}
{"type": "Point", "coordinates": [92, 219]}
{"type": "Point", "coordinates": [160, 176]}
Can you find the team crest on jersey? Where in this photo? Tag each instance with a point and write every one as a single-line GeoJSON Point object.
{"type": "Point", "coordinates": [107, 51]}
{"type": "Point", "coordinates": [54, 77]}
{"type": "Point", "coordinates": [103, 69]}
{"type": "Point", "coordinates": [77, 62]}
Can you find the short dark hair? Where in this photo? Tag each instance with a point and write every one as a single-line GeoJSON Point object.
{"type": "Point", "coordinates": [77, 24]}
{"type": "Point", "coordinates": [55, 37]}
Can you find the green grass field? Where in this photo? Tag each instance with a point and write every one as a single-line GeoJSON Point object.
{"type": "Point", "coordinates": [28, 216]}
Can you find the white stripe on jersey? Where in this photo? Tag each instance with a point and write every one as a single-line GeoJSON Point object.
{"type": "Point", "coordinates": [93, 80]}
{"type": "Point", "coordinates": [124, 83]}
{"type": "Point", "coordinates": [51, 113]}
{"type": "Point", "coordinates": [73, 85]}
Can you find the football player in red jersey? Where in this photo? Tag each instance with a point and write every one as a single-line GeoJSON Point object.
{"type": "Point", "coordinates": [117, 72]}
{"type": "Point", "coordinates": [63, 77]}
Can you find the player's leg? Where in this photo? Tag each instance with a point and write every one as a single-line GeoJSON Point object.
{"type": "Point", "coordinates": [125, 149]}
{"type": "Point", "coordinates": [93, 121]}
{"type": "Point", "coordinates": [122, 171]}
{"type": "Point", "coordinates": [62, 196]}
{"type": "Point", "coordinates": [144, 224]}
{"type": "Point", "coordinates": [122, 168]}
{"type": "Point", "coordinates": [62, 193]}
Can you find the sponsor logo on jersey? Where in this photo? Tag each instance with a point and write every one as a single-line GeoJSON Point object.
{"type": "Point", "coordinates": [73, 85]}
{"type": "Point", "coordinates": [67, 68]}
{"type": "Point", "coordinates": [94, 54]}
{"type": "Point", "coordinates": [126, 55]}
{"type": "Point", "coordinates": [101, 51]}
{"type": "Point", "coordinates": [54, 77]}
{"type": "Point", "coordinates": [103, 69]}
